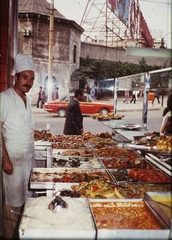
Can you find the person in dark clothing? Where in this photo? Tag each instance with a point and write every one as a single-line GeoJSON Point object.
{"type": "Point", "coordinates": [41, 98]}
{"type": "Point", "coordinates": [74, 119]}
{"type": "Point", "coordinates": [133, 97]}
{"type": "Point", "coordinates": [56, 93]}
{"type": "Point", "coordinates": [166, 126]}
{"type": "Point", "coordinates": [156, 95]}
{"type": "Point", "coordinates": [88, 89]}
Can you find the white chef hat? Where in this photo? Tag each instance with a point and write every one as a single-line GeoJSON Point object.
{"type": "Point", "coordinates": [22, 63]}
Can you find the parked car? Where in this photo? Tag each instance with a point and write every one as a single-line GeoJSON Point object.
{"type": "Point", "coordinates": [87, 107]}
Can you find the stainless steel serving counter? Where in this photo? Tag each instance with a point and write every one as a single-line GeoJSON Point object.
{"type": "Point", "coordinates": [125, 136]}
{"type": "Point", "coordinates": [121, 134]}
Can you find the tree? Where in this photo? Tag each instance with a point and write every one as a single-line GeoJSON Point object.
{"type": "Point", "coordinates": [103, 69]}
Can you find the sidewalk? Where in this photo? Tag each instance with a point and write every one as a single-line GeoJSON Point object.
{"type": "Point", "coordinates": [138, 106]}
{"type": "Point", "coordinates": [122, 107]}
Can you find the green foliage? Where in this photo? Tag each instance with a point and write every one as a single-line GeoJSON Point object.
{"type": "Point", "coordinates": [102, 69]}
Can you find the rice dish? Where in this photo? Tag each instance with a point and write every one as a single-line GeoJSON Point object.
{"type": "Point", "coordinates": [76, 217]}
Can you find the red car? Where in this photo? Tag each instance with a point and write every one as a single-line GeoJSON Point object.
{"type": "Point", "coordinates": [87, 107]}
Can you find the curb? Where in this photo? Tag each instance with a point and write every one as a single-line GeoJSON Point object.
{"type": "Point", "coordinates": [120, 110]}
{"type": "Point", "coordinates": [137, 110]}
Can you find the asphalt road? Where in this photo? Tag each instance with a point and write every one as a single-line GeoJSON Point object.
{"type": "Point", "coordinates": [56, 124]}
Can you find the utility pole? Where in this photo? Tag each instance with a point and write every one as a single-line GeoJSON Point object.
{"type": "Point", "coordinates": [50, 63]}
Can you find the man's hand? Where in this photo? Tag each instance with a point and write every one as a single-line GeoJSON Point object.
{"type": "Point", "coordinates": [7, 166]}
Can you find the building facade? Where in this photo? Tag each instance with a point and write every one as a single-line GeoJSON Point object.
{"type": "Point", "coordinates": [25, 29]}
{"type": "Point", "coordinates": [33, 39]}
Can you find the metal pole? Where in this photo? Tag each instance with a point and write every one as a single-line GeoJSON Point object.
{"type": "Point", "coordinates": [50, 63]}
{"type": "Point", "coordinates": [115, 94]}
{"type": "Point", "coordinates": [145, 101]}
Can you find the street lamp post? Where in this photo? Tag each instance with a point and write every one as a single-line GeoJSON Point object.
{"type": "Point", "coordinates": [50, 63]}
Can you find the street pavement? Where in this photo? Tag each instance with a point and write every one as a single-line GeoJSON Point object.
{"type": "Point", "coordinates": [123, 107]}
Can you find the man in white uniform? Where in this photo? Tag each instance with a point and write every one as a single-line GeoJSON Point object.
{"type": "Point", "coordinates": [17, 129]}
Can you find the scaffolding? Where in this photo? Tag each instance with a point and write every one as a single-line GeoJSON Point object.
{"type": "Point", "coordinates": [107, 23]}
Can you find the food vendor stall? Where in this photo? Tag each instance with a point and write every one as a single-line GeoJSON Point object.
{"type": "Point", "coordinates": [101, 186]}
{"type": "Point", "coordinates": [132, 136]}
{"type": "Point", "coordinates": [94, 174]}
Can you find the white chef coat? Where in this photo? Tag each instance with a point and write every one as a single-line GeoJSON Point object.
{"type": "Point", "coordinates": [18, 131]}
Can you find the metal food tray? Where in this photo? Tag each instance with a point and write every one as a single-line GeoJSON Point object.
{"type": "Point", "coordinates": [61, 152]}
{"type": "Point", "coordinates": [148, 149]}
{"type": "Point", "coordinates": [81, 162]}
{"type": "Point", "coordinates": [42, 184]}
{"type": "Point", "coordinates": [132, 190]}
{"type": "Point", "coordinates": [125, 179]}
{"type": "Point", "coordinates": [135, 181]}
{"type": "Point", "coordinates": [106, 144]}
{"type": "Point", "coordinates": [42, 143]}
{"type": "Point", "coordinates": [160, 206]}
{"type": "Point", "coordinates": [105, 233]}
{"type": "Point", "coordinates": [40, 152]}
{"type": "Point", "coordinates": [121, 159]}
{"type": "Point", "coordinates": [120, 147]}
{"type": "Point", "coordinates": [68, 145]}
{"type": "Point", "coordinates": [55, 232]}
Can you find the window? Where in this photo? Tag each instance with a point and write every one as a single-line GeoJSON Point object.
{"type": "Point", "coordinates": [74, 54]}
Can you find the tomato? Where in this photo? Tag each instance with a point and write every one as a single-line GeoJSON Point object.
{"type": "Point", "coordinates": [95, 188]}
{"type": "Point", "coordinates": [65, 179]}
{"type": "Point", "coordinates": [133, 173]}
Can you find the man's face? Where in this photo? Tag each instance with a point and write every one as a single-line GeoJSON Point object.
{"type": "Point", "coordinates": [81, 97]}
{"type": "Point", "coordinates": [25, 80]}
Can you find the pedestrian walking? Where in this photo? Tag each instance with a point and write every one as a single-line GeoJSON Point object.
{"type": "Point", "coordinates": [88, 89]}
{"type": "Point", "coordinates": [56, 93]}
{"type": "Point", "coordinates": [156, 95]}
{"type": "Point", "coordinates": [92, 93]}
{"type": "Point", "coordinates": [74, 119]}
{"type": "Point", "coordinates": [133, 97]}
{"type": "Point", "coordinates": [126, 96]}
{"type": "Point", "coordinates": [41, 98]}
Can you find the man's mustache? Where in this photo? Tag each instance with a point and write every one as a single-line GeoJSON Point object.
{"type": "Point", "coordinates": [27, 85]}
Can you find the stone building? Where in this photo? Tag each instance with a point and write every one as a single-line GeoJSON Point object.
{"type": "Point", "coordinates": [33, 39]}
{"type": "Point", "coordinates": [25, 29]}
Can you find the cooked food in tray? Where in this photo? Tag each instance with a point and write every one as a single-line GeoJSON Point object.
{"type": "Point", "coordinates": [141, 140]}
{"type": "Point", "coordinates": [124, 215]}
{"type": "Point", "coordinates": [120, 175]}
{"type": "Point", "coordinates": [68, 145]}
{"type": "Point", "coordinates": [125, 163]}
{"type": "Point", "coordinates": [102, 117]}
{"type": "Point", "coordinates": [163, 199]}
{"type": "Point", "coordinates": [148, 175]}
{"type": "Point", "coordinates": [111, 151]}
{"type": "Point", "coordinates": [147, 139]}
{"type": "Point", "coordinates": [115, 115]}
{"type": "Point", "coordinates": [76, 162]}
{"type": "Point", "coordinates": [67, 175]}
{"type": "Point", "coordinates": [88, 135]}
{"type": "Point", "coordinates": [97, 189]}
{"type": "Point", "coordinates": [69, 138]}
{"type": "Point", "coordinates": [140, 175]}
{"type": "Point", "coordinates": [96, 140]}
{"type": "Point", "coordinates": [62, 162]}
{"type": "Point", "coordinates": [107, 116]}
{"type": "Point", "coordinates": [156, 144]}
{"type": "Point", "coordinates": [68, 220]}
{"type": "Point", "coordinates": [43, 135]}
{"type": "Point", "coordinates": [75, 152]}
{"type": "Point", "coordinates": [164, 144]}
{"type": "Point", "coordinates": [137, 190]}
